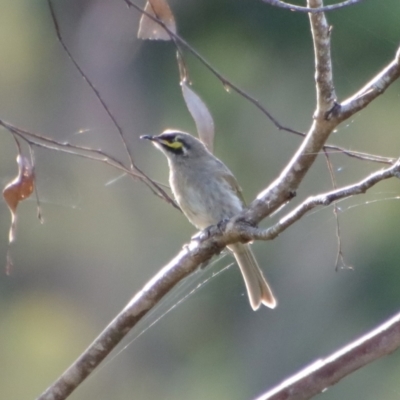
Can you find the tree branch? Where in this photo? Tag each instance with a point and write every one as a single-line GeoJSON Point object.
{"type": "Point", "coordinates": [185, 263]}
{"type": "Point", "coordinates": [227, 83]}
{"type": "Point", "coordinates": [374, 88]}
{"type": "Point", "coordinates": [248, 233]}
{"type": "Point", "coordinates": [287, 183]}
{"type": "Point", "coordinates": [326, 118]}
{"type": "Point", "coordinates": [292, 7]}
{"type": "Point", "coordinates": [383, 340]}
{"type": "Point", "coordinates": [89, 82]}
{"type": "Point", "coordinates": [34, 139]}
{"type": "Point", "coordinates": [328, 115]}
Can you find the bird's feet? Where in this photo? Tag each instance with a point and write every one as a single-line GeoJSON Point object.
{"type": "Point", "coordinates": [210, 231]}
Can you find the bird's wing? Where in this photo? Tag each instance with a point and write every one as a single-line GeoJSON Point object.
{"type": "Point", "coordinates": [228, 177]}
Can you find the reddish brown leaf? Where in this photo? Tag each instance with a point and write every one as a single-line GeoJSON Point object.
{"type": "Point", "coordinates": [149, 29]}
{"type": "Point", "coordinates": [18, 189]}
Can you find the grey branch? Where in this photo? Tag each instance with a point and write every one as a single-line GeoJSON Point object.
{"type": "Point", "coordinates": [248, 233]}
{"type": "Point", "coordinates": [374, 88]}
{"type": "Point", "coordinates": [180, 267]}
{"type": "Point", "coordinates": [274, 196]}
{"type": "Point", "coordinates": [186, 262]}
{"type": "Point", "coordinates": [324, 373]}
{"type": "Point", "coordinates": [289, 180]}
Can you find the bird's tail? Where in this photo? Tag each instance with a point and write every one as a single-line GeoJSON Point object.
{"type": "Point", "coordinates": [257, 287]}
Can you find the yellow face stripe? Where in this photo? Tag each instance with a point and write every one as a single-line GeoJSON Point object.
{"type": "Point", "coordinates": [173, 145]}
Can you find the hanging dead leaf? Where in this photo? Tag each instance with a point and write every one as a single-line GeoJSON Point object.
{"type": "Point", "coordinates": [17, 190]}
{"type": "Point", "coordinates": [183, 71]}
{"type": "Point", "coordinates": [152, 30]}
{"type": "Point", "coordinates": [202, 117]}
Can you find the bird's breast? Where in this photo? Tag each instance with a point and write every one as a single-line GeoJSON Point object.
{"type": "Point", "coordinates": [204, 200]}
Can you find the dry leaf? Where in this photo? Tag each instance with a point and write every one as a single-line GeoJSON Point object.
{"type": "Point", "coordinates": [17, 190]}
{"type": "Point", "coordinates": [202, 117]}
{"type": "Point", "coordinates": [149, 29]}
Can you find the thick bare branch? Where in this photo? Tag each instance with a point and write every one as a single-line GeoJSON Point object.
{"type": "Point", "coordinates": [316, 378]}
{"type": "Point", "coordinates": [287, 183]}
{"type": "Point", "coordinates": [180, 267]}
{"type": "Point", "coordinates": [328, 115]}
{"type": "Point", "coordinates": [321, 34]}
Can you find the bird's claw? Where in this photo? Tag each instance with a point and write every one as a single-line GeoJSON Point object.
{"type": "Point", "coordinates": [210, 231]}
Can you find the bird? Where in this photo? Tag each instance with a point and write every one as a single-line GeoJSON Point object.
{"type": "Point", "coordinates": [207, 193]}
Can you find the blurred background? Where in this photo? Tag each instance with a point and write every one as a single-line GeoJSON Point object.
{"type": "Point", "coordinates": [102, 240]}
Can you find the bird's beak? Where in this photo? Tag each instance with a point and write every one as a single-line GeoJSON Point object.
{"type": "Point", "coordinates": [148, 137]}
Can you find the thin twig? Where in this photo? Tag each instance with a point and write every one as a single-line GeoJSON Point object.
{"type": "Point", "coordinates": [38, 205]}
{"type": "Point", "coordinates": [292, 7]}
{"type": "Point", "coordinates": [225, 82]}
{"type": "Point", "coordinates": [360, 155]}
{"type": "Point", "coordinates": [339, 256]}
{"type": "Point", "coordinates": [136, 171]}
{"type": "Point", "coordinates": [85, 152]}
{"type": "Point", "coordinates": [324, 199]}
{"type": "Point", "coordinates": [89, 82]}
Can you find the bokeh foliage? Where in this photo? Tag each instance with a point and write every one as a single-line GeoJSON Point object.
{"type": "Point", "coordinates": [101, 242]}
